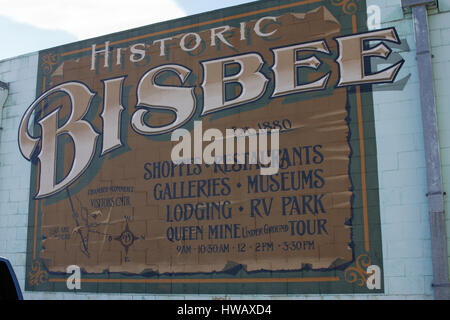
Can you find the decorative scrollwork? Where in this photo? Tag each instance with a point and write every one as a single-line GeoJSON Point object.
{"type": "Point", "coordinates": [48, 61]}
{"type": "Point", "coordinates": [348, 6]}
{"type": "Point", "coordinates": [358, 273]}
{"type": "Point", "coordinates": [37, 276]}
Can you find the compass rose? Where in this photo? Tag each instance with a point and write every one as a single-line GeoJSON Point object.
{"type": "Point", "coordinates": [126, 238]}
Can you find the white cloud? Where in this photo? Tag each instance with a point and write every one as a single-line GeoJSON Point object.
{"type": "Point", "coordinates": [90, 18]}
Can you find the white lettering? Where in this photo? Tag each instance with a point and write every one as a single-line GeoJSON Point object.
{"type": "Point", "coordinates": [95, 52]}
{"type": "Point", "coordinates": [83, 136]}
{"type": "Point", "coordinates": [253, 83]}
{"type": "Point", "coordinates": [352, 54]}
{"type": "Point", "coordinates": [257, 27]}
{"type": "Point", "coordinates": [137, 52]}
{"type": "Point", "coordinates": [180, 100]}
{"type": "Point", "coordinates": [286, 64]}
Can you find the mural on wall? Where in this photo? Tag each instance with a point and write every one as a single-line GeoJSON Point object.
{"type": "Point", "coordinates": [107, 197]}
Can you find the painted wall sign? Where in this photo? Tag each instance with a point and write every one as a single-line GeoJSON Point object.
{"type": "Point", "coordinates": [106, 197]}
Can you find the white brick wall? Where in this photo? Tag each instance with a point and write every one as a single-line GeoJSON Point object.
{"type": "Point", "coordinates": [440, 42]}
{"type": "Point", "coordinates": [20, 73]}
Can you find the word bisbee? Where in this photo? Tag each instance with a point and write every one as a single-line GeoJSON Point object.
{"type": "Point", "coordinates": [182, 101]}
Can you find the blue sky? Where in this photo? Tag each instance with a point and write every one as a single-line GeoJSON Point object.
{"type": "Point", "coordinates": [198, 6]}
{"type": "Point", "coordinates": [32, 25]}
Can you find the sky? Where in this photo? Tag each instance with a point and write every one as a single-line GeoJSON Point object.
{"type": "Point", "coordinates": [32, 25]}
